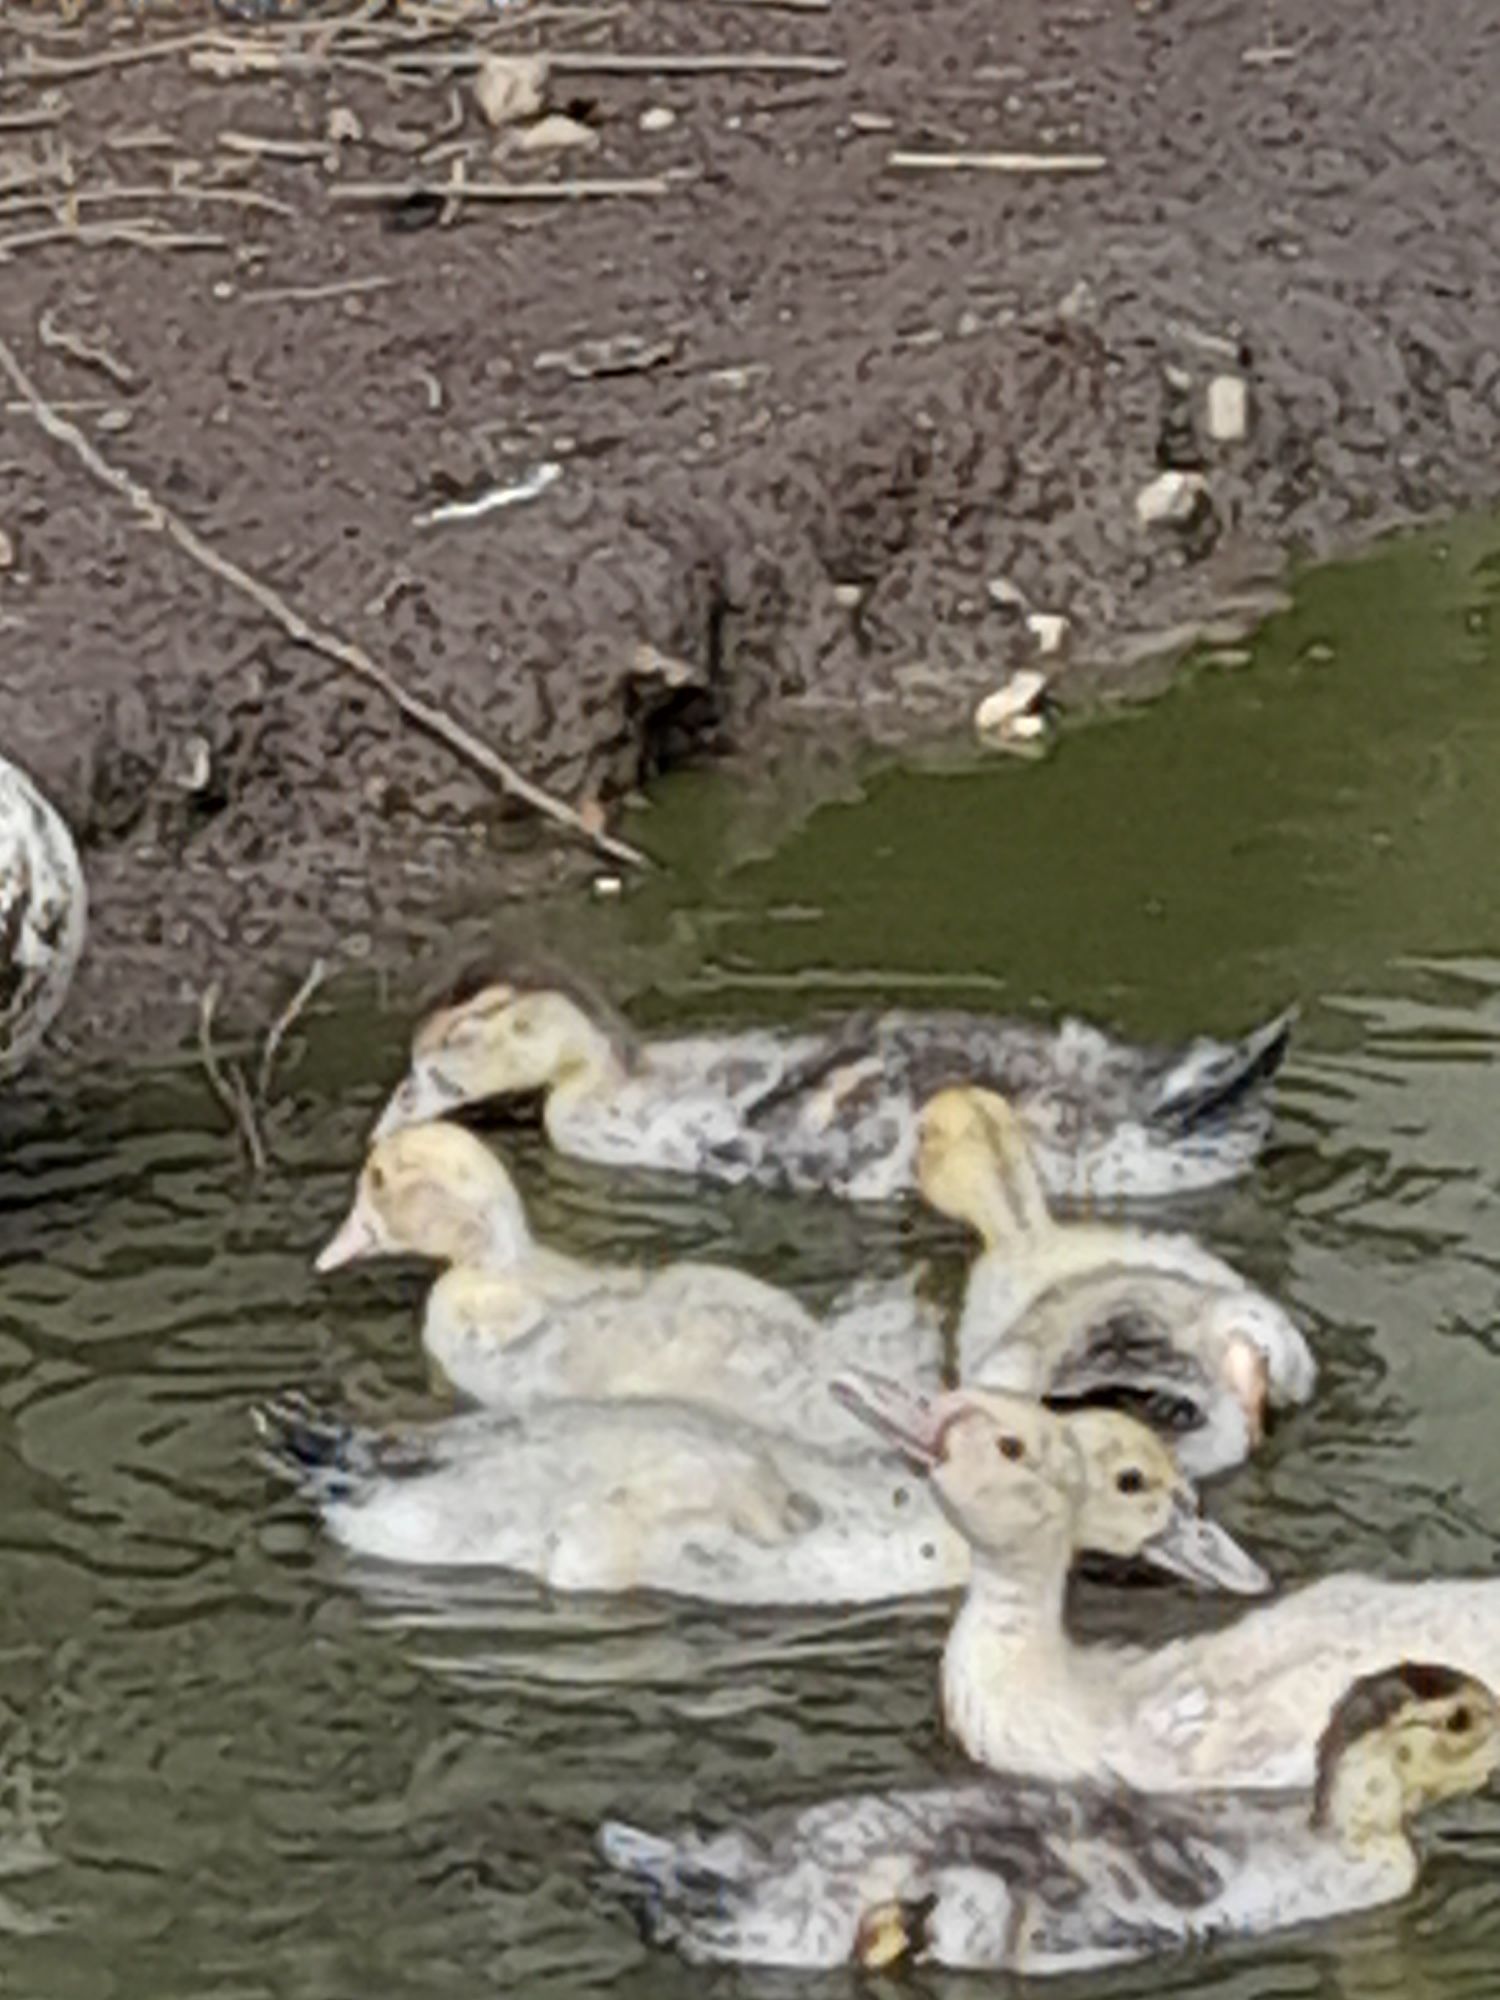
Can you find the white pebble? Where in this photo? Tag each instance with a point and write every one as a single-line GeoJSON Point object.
{"type": "Point", "coordinates": [1009, 712]}
{"type": "Point", "coordinates": [1170, 499]}
{"type": "Point", "coordinates": [1227, 414]}
{"type": "Point", "coordinates": [658, 118]}
{"type": "Point", "coordinates": [1049, 629]}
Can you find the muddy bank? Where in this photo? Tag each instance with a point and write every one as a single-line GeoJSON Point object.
{"type": "Point", "coordinates": [803, 407]}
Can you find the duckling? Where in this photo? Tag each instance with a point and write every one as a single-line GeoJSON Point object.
{"type": "Point", "coordinates": [510, 1323]}
{"type": "Point", "coordinates": [1077, 1311]}
{"type": "Point", "coordinates": [1238, 1707]}
{"type": "Point", "coordinates": [1004, 1874]}
{"type": "Point", "coordinates": [623, 1496]}
{"type": "Point", "coordinates": [43, 915]}
{"type": "Point", "coordinates": [835, 1107]}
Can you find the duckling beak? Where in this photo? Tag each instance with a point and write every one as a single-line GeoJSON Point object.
{"type": "Point", "coordinates": [1192, 1546]}
{"type": "Point", "coordinates": [1249, 1377]}
{"type": "Point", "coordinates": [423, 1093]}
{"type": "Point", "coordinates": [358, 1235]}
{"type": "Point", "coordinates": [914, 1425]}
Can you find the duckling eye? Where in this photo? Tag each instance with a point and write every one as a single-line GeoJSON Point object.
{"type": "Point", "coordinates": [1460, 1722]}
{"type": "Point", "coordinates": [1011, 1448]}
{"type": "Point", "coordinates": [1131, 1480]}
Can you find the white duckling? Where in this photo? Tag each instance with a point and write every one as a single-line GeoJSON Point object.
{"type": "Point", "coordinates": [43, 915]}
{"type": "Point", "coordinates": [1080, 1312]}
{"type": "Point", "coordinates": [659, 1496]}
{"type": "Point", "coordinates": [510, 1323]}
{"type": "Point", "coordinates": [1002, 1874]}
{"type": "Point", "coordinates": [835, 1107]}
{"type": "Point", "coordinates": [1237, 1707]}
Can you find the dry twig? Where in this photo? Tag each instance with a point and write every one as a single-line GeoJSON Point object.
{"type": "Point", "coordinates": [999, 163]}
{"type": "Point", "coordinates": [277, 1032]}
{"type": "Point", "coordinates": [92, 354]}
{"type": "Point", "coordinates": [339, 288]}
{"type": "Point", "coordinates": [92, 235]}
{"type": "Point", "coordinates": [465, 190]}
{"type": "Point", "coordinates": [425, 715]}
{"type": "Point", "coordinates": [229, 1085]}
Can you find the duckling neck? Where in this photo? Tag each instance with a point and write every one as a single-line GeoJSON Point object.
{"type": "Point", "coordinates": [1008, 1661]}
{"type": "Point", "coordinates": [1364, 1808]}
{"type": "Point", "coordinates": [590, 1067]}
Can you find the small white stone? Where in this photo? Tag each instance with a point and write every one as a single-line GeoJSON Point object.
{"type": "Point", "coordinates": [7, 551]}
{"type": "Point", "coordinates": [1170, 500]}
{"type": "Point", "coordinates": [871, 121]}
{"type": "Point", "coordinates": [1001, 715]}
{"type": "Point", "coordinates": [1049, 630]}
{"type": "Point", "coordinates": [509, 88]}
{"type": "Point", "coordinates": [606, 887]}
{"type": "Point", "coordinates": [658, 118]}
{"type": "Point", "coordinates": [849, 596]}
{"type": "Point", "coordinates": [343, 125]}
{"type": "Point", "coordinates": [1227, 409]}
{"type": "Point", "coordinates": [554, 134]}
{"type": "Point", "coordinates": [1006, 595]}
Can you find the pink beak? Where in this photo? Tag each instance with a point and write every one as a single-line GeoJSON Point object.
{"type": "Point", "coordinates": [916, 1425]}
{"type": "Point", "coordinates": [356, 1237]}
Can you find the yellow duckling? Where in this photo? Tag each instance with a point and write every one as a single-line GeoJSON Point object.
{"type": "Point", "coordinates": [1002, 1874]}
{"type": "Point", "coordinates": [510, 1323]}
{"type": "Point", "coordinates": [835, 1106]}
{"type": "Point", "coordinates": [641, 1495]}
{"type": "Point", "coordinates": [1087, 1311]}
{"type": "Point", "coordinates": [1238, 1707]}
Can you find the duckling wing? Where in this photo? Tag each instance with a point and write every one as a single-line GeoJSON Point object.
{"type": "Point", "coordinates": [993, 1875]}
{"type": "Point", "coordinates": [1246, 1705]}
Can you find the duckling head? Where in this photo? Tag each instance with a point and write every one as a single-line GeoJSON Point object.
{"type": "Point", "coordinates": [436, 1191]}
{"type": "Point", "coordinates": [1012, 1475]}
{"type": "Point", "coordinates": [502, 1041]}
{"type": "Point", "coordinates": [975, 1165]}
{"type": "Point", "coordinates": [1137, 1501]}
{"type": "Point", "coordinates": [1399, 1741]}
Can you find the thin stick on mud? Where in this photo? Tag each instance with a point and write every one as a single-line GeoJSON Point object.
{"type": "Point", "coordinates": [461, 190]}
{"type": "Point", "coordinates": [339, 288]}
{"type": "Point", "coordinates": [998, 163]}
{"type": "Point", "coordinates": [229, 1085]}
{"type": "Point", "coordinates": [277, 1032]}
{"type": "Point", "coordinates": [424, 715]}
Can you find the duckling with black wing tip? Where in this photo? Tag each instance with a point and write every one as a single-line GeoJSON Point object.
{"type": "Point", "coordinates": [834, 1106]}
{"type": "Point", "coordinates": [1080, 1311]}
{"type": "Point", "coordinates": [616, 1496]}
{"type": "Point", "coordinates": [1005, 1874]}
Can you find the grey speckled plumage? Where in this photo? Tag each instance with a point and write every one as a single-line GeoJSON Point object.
{"type": "Point", "coordinates": [835, 1106]}
{"type": "Point", "coordinates": [43, 915]}
{"type": "Point", "coordinates": [997, 1874]}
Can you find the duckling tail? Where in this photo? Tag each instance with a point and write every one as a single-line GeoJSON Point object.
{"type": "Point", "coordinates": [325, 1453]}
{"type": "Point", "coordinates": [1211, 1082]}
{"type": "Point", "coordinates": [666, 1883]}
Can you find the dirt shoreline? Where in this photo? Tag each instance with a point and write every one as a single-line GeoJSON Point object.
{"type": "Point", "coordinates": [804, 409]}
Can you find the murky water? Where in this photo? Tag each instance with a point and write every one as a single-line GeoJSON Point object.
{"type": "Point", "coordinates": [233, 1764]}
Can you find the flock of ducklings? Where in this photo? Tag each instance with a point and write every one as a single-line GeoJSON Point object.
{"type": "Point", "coordinates": [694, 1430]}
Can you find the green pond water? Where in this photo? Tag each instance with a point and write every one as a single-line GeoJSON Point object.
{"type": "Point", "coordinates": [235, 1764]}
